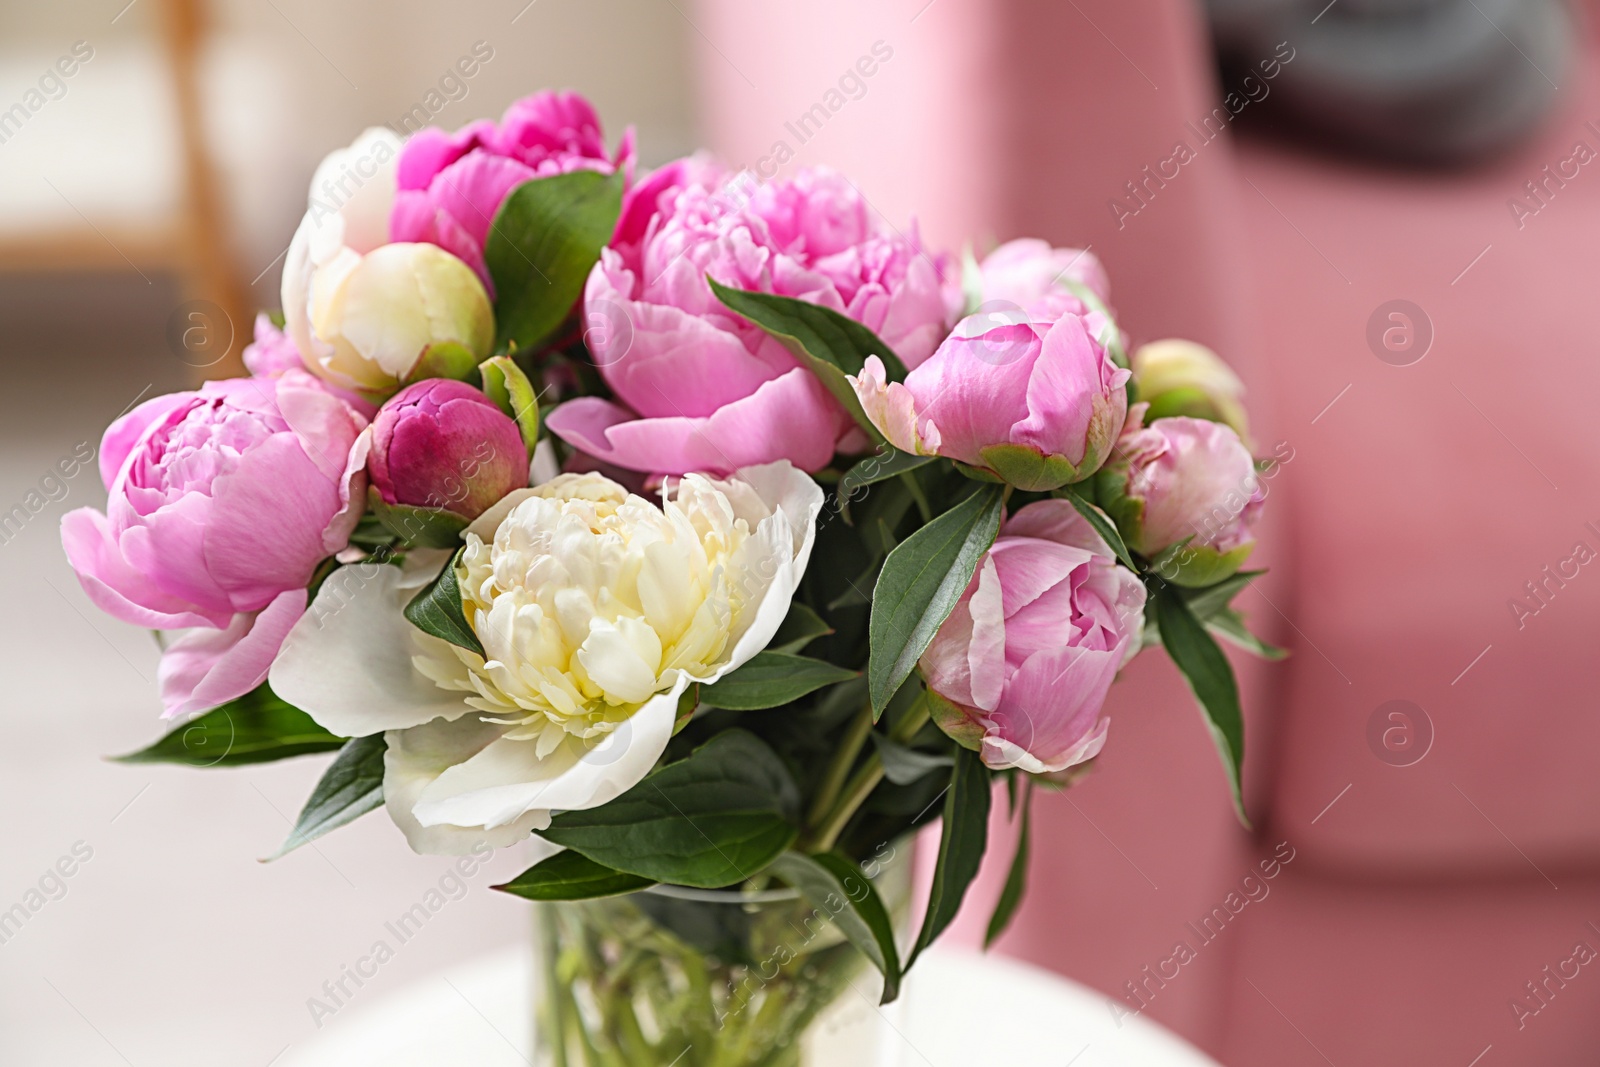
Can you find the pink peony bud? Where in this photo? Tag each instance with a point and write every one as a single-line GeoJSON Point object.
{"type": "Point", "coordinates": [442, 444]}
{"type": "Point", "coordinates": [1020, 669]}
{"type": "Point", "coordinates": [1038, 404]}
{"type": "Point", "coordinates": [1029, 273]}
{"type": "Point", "coordinates": [1184, 493]}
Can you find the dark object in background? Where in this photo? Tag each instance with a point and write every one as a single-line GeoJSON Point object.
{"type": "Point", "coordinates": [1423, 81]}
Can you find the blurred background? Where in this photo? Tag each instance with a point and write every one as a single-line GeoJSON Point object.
{"type": "Point", "coordinates": [1381, 211]}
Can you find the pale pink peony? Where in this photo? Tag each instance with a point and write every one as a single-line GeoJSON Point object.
{"type": "Point", "coordinates": [451, 184]}
{"type": "Point", "coordinates": [1186, 493]}
{"type": "Point", "coordinates": [1039, 404]}
{"type": "Point", "coordinates": [222, 503]}
{"type": "Point", "coordinates": [1024, 661]}
{"type": "Point", "coordinates": [1029, 273]}
{"type": "Point", "coordinates": [699, 388]}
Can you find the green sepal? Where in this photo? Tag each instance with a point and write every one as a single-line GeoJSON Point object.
{"type": "Point", "coordinates": [1029, 469]}
{"type": "Point", "coordinates": [513, 393]}
{"type": "Point", "coordinates": [1197, 566]}
{"type": "Point", "coordinates": [953, 720]}
{"type": "Point", "coordinates": [424, 527]}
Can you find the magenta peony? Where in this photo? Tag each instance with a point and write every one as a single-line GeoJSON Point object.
{"type": "Point", "coordinates": [451, 184]}
{"type": "Point", "coordinates": [443, 444]}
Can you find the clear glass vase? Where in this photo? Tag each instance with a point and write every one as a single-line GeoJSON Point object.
{"type": "Point", "coordinates": [675, 977]}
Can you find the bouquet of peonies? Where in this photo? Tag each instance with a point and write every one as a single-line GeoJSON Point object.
{"type": "Point", "coordinates": [718, 533]}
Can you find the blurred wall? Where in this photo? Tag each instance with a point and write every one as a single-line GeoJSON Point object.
{"type": "Point", "coordinates": [288, 80]}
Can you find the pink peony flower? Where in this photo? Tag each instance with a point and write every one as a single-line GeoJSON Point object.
{"type": "Point", "coordinates": [443, 444]}
{"type": "Point", "coordinates": [698, 388]}
{"type": "Point", "coordinates": [1185, 493]}
{"type": "Point", "coordinates": [1021, 668]}
{"type": "Point", "coordinates": [1039, 404]}
{"type": "Point", "coordinates": [451, 184]}
{"type": "Point", "coordinates": [1028, 273]}
{"type": "Point", "coordinates": [222, 503]}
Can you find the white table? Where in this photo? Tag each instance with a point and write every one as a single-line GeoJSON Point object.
{"type": "Point", "coordinates": [959, 1009]}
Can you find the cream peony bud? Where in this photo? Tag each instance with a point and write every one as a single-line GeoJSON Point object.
{"type": "Point", "coordinates": [363, 312]}
{"type": "Point", "coordinates": [1178, 377]}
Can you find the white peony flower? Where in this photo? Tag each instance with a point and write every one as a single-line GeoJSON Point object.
{"type": "Point", "coordinates": [596, 609]}
{"type": "Point", "coordinates": [360, 310]}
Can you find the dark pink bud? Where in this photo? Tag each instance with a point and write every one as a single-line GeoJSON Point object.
{"type": "Point", "coordinates": [442, 444]}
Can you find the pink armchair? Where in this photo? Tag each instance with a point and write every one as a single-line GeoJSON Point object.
{"type": "Point", "coordinates": [1435, 883]}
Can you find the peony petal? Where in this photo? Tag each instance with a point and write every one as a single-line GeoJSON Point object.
{"type": "Point", "coordinates": [986, 654]}
{"type": "Point", "coordinates": [267, 520]}
{"type": "Point", "coordinates": [792, 417]}
{"type": "Point", "coordinates": [204, 669]}
{"type": "Point", "coordinates": [124, 435]}
{"type": "Point", "coordinates": [347, 662]}
{"type": "Point", "coordinates": [1053, 702]}
{"type": "Point", "coordinates": [507, 780]}
{"type": "Point", "coordinates": [786, 536]}
{"type": "Point", "coordinates": [415, 758]}
{"type": "Point", "coordinates": [119, 588]}
{"type": "Point", "coordinates": [1058, 521]}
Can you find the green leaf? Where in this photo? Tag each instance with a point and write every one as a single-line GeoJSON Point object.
{"type": "Point", "coordinates": [711, 820]}
{"type": "Point", "coordinates": [350, 787]}
{"type": "Point", "coordinates": [770, 680]}
{"type": "Point", "coordinates": [920, 583]}
{"type": "Point", "coordinates": [837, 887]}
{"type": "Point", "coordinates": [903, 764]}
{"type": "Point", "coordinates": [437, 610]}
{"type": "Point", "coordinates": [799, 628]}
{"type": "Point", "coordinates": [509, 388]}
{"type": "Point", "coordinates": [1102, 525]}
{"type": "Point", "coordinates": [1229, 625]}
{"type": "Point", "coordinates": [545, 239]}
{"type": "Point", "coordinates": [1207, 601]}
{"type": "Point", "coordinates": [1210, 678]}
{"type": "Point", "coordinates": [888, 462]}
{"type": "Point", "coordinates": [256, 728]}
{"type": "Point", "coordinates": [571, 875]}
{"type": "Point", "coordinates": [1016, 879]}
{"type": "Point", "coordinates": [961, 844]}
{"type": "Point", "coordinates": [830, 344]}
{"type": "Point", "coordinates": [427, 527]}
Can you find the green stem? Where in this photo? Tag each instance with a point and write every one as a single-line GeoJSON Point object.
{"type": "Point", "coordinates": [838, 769]}
{"type": "Point", "coordinates": [865, 780]}
{"type": "Point", "coordinates": [555, 996]}
{"type": "Point", "coordinates": [917, 495]}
